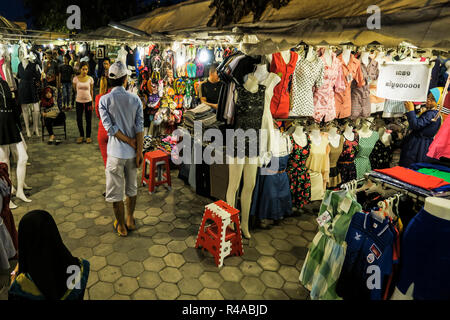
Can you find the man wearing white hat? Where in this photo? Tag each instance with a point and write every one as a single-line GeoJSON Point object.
{"type": "Point", "coordinates": [122, 116]}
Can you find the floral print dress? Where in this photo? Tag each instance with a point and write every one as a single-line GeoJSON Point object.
{"type": "Point", "coordinates": [346, 162]}
{"type": "Point", "coordinates": [297, 171]}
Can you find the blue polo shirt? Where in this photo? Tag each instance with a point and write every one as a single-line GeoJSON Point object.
{"type": "Point", "coordinates": [121, 110]}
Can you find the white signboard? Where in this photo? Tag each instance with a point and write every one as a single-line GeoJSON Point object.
{"type": "Point", "coordinates": [404, 81]}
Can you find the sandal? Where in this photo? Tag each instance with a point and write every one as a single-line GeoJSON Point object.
{"type": "Point", "coordinates": [128, 229]}
{"type": "Point", "coordinates": [116, 226]}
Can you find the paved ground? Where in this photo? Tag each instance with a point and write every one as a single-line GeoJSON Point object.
{"type": "Point", "coordinates": [159, 260]}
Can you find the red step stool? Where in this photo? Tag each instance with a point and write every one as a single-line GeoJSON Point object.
{"type": "Point", "coordinates": [154, 160]}
{"type": "Point", "coordinates": [214, 238]}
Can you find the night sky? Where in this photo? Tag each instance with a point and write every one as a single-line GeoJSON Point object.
{"type": "Point", "coordinates": [14, 10]}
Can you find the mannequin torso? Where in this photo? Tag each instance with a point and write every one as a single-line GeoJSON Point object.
{"type": "Point", "coordinates": [300, 136]}
{"type": "Point", "coordinates": [386, 138]}
{"type": "Point", "coordinates": [346, 55]}
{"type": "Point", "coordinates": [327, 56]}
{"type": "Point", "coordinates": [365, 131]}
{"type": "Point", "coordinates": [348, 133]}
{"type": "Point", "coordinates": [438, 207]}
{"type": "Point", "coordinates": [316, 138]}
{"type": "Point", "coordinates": [365, 58]}
{"type": "Point", "coordinates": [334, 137]}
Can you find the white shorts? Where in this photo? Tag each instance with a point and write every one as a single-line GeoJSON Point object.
{"type": "Point", "coordinates": [121, 177]}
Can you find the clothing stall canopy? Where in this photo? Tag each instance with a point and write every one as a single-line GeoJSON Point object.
{"type": "Point", "coordinates": [420, 22]}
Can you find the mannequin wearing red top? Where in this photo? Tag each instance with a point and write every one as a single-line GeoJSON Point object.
{"type": "Point", "coordinates": [102, 135]}
{"type": "Point", "coordinates": [283, 64]}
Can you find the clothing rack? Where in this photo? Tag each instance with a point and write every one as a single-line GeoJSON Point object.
{"type": "Point", "coordinates": [415, 195]}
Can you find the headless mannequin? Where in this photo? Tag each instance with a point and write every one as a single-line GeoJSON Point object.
{"type": "Point", "coordinates": [248, 168]}
{"type": "Point", "coordinates": [365, 58]}
{"type": "Point", "coordinates": [365, 131]}
{"type": "Point", "coordinates": [327, 56]}
{"type": "Point", "coordinates": [386, 138]}
{"type": "Point", "coordinates": [299, 136]}
{"type": "Point", "coordinates": [25, 60]}
{"type": "Point", "coordinates": [285, 54]}
{"type": "Point", "coordinates": [122, 55]}
{"type": "Point", "coordinates": [348, 133]}
{"type": "Point", "coordinates": [334, 137]}
{"type": "Point", "coordinates": [439, 208]}
{"type": "Point", "coordinates": [346, 54]}
{"type": "Point", "coordinates": [310, 56]}
{"type": "Point", "coordinates": [316, 138]}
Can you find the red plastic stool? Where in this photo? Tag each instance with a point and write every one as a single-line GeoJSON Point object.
{"type": "Point", "coordinates": [214, 238]}
{"type": "Point", "coordinates": [153, 161]}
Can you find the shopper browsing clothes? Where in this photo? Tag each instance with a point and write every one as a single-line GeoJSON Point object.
{"type": "Point", "coordinates": [84, 90]}
{"type": "Point", "coordinates": [66, 82]}
{"type": "Point", "coordinates": [50, 112]}
{"type": "Point", "coordinates": [122, 116]}
{"type": "Point", "coordinates": [423, 128]}
{"type": "Point", "coordinates": [104, 76]}
{"type": "Point", "coordinates": [45, 263]}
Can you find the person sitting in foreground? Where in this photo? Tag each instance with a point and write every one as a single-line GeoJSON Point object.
{"type": "Point", "coordinates": [50, 112]}
{"type": "Point", "coordinates": [46, 269]}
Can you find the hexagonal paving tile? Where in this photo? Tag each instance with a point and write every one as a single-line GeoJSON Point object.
{"type": "Point", "coordinates": [193, 255]}
{"type": "Point", "coordinates": [266, 249]}
{"type": "Point", "coordinates": [309, 235]}
{"type": "Point", "coordinates": [269, 263]}
{"type": "Point", "coordinates": [167, 291]}
{"type": "Point", "coordinates": [97, 263]}
{"type": "Point", "coordinates": [104, 220]}
{"type": "Point", "coordinates": [132, 268]}
{"type": "Point", "coordinates": [82, 252]}
{"type": "Point", "coordinates": [289, 273]}
{"type": "Point", "coordinates": [274, 294]}
{"type": "Point", "coordinates": [151, 221]}
{"type": "Point", "coordinates": [232, 290]}
{"type": "Point", "coordinates": [251, 268]}
{"type": "Point", "coordinates": [298, 241]}
{"type": "Point", "coordinates": [154, 264]}
{"type": "Point", "coordinates": [144, 294]}
{"type": "Point", "coordinates": [253, 285]}
{"type": "Point", "coordinates": [74, 217]}
{"type": "Point", "coordinates": [101, 291]}
{"type": "Point", "coordinates": [232, 274]}
{"type": "Point", "coordinates": [210, 294]}
{"type": "Point", "coordinates": [126, 285]}
{"type": "Point", "coordinates": [174, 260]}
{"type": "Point", "coordinates": [253, 297]}
{"type": "Point", "coordinates": [191, 270]}
{"type": "Point", "coordinates": [103, 249]}
{"type": "Point", "coordinates": [155, 212]}
{"type": "Point", "coordinates": [286, 258]}
{"type": "Point", "coordinates": [149, 279]}
{"type": "Point", "coordinates": [167, 216]}
{"type": "Point", "coordinates": [90, 241]}
{"type": "Point", "coordinates": [108, 238]}
{"type": "Point", "coordinates": [119, 297]}
{"type": "Point", "coordinates": [93, 279]}
{"type": "Point", "coordinates": [162, 238]}
{"type": "Point", "coordinates": [176, 246]}
{"type": "Point", "coordinates": [117, 258]}
{"type": "Point", "coordinates": [211, 280]}
{"type": "Point", "coordinates": [281, 245]}
{"type": "Point", "coordinates": [180, 223]}
{"type": "Point", "coordinates": [295, 291]}
{"type": "Point", "coordinates": [272, 279]}
{"type": "Point", "coordinates": [251, 254]}
{"type": "Point", "coordinates": [138, 254]}
{"type": "Point", "coordinates": [171, 275]}
{"type": "Point", "coordinates": [164, 227]}
{"type": "Point", "coordinates": [190, 286]}
{"type": "Point", "coordinates": [278, 233]}
{"type": "Point", "coordinates": [158, 251]}
{"type": "Point", "coordinates": [232, 261]}
{"type": "Point", "coordinates": [307, 226]}
{"type": "Point", "coordinates": [109, 274]}
{"type": "Point", "coordinates": [77, 233]}
{"type": "Point", "coordinates": [66, 226]}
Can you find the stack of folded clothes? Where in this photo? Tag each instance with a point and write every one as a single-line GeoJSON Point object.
{"type": "Point", "coordinates": [203, 113]}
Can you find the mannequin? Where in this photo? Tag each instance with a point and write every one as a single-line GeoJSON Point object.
{"type": "Point", "coordinates": [248, 167]}
{"type": "Point", "coordinates": [327, 56]}
{"type": "Point", "coordinates": [439, 208]}
{"type": "Point", "coordinates": [318, 163]}
{"type": "Point", "coordinates": [6, 67]}
{"type": "Point", "coordinates": [348, 132]}
{"type": "Point", "coordinates": [334, 137]}
{"type": "Point", "coordinates": [11, 140]}
{"type": "Point", "coordinates": [346, 52]}
{"type": "Point", "coordinates": [28, 74]}
{"type": "Point", "coordinates": [386, 138]}
{"type": "Point", "coordinates": [122, 55]}
{"type": "Point", "coordinates": [365, 58]}
{"type": "Point", "coordinates": [365, 130]}
{"type": "Point", "coordinates": [299, 136]}
{"type": "Point", "coordinates": [316, 138]}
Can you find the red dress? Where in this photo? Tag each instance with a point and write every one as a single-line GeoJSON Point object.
{"type": "Point", "coordinates": [280, 103]}
{"type": "Point", "coordinates": [102, 135]}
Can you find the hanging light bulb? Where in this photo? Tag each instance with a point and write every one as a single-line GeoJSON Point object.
{"type": "Point", "coordinates": [204, 57]}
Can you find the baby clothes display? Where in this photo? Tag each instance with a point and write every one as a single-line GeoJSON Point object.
{"type": "Point", "coordinates": [280, 103]}
{"type": "Point", "coordinates": [335, 153]}
{"type": "Point", "coordinates": [361, 96]}
{"type": "Point", "coordinates": [393, 109]}
{"type": "Point", "coordinates": [333, 81]}
{"type": "Point", "coordinates": [318, 164]}
{"type": "Point", "coordinates": [352, 72]}
{"type": "Point", "coordinates": [326, 254]}
{"type": "Point", "coordinates": [299, 178]}
{"type": "Point", "coordinates": [381, 156]}
{"type": "Point", "coordinates": [346, 162]}
{"type": "Point", "coordinates": [366, 146]}
{"type": "Point", "coordinates": [308, 76]}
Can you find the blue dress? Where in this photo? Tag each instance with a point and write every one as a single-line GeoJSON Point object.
{"type": "Point", "coordinates": [416, 144]}
{"type": "Point", "coordinates": [272, 194]}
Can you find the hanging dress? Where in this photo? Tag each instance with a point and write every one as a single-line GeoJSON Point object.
{"type": "Point", "coordinates": [362, 161]}
{"type": "Point", "coordinates": [28, 85]}
{"type": "Point", "coordinates": [335, 153]}
{"type": "Point", "coordinates": [381, 156]}
{"type": "Point", "coordinates": [9, 117]}
{"type": "Point", "coordinates": [346, 162]}
{"type": "Point", "coordinates": [318, 164]}
{"type": "Point", "coordinates": [300, 182]}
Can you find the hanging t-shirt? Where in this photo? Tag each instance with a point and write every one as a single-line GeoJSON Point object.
{"type": "Point", "coordinates": [308, 76]}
